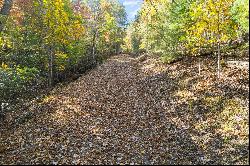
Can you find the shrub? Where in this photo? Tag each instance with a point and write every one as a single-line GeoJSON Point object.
{"type": "Point", "coordinates": [16, 82]}
{"type": "Point", "coordinates": [170, 58]}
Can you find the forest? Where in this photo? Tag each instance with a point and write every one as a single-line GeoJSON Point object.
{"type": "Point", "coordinates": [82, 84]}
{"type": "Point", "coordinates": [43, 42]}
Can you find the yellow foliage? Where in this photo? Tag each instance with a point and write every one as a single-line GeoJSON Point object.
{"type": "Point", "coordinates": [4, 66]}
{"type": "Point", "coordinates": [211, 20]}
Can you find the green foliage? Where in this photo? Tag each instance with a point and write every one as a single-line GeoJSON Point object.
{"type": "Point", "coordinates": [132, 40]}
{"type": "Point", "coordinates": [170, 58]}
{"type": "Point", "coordinates": [184, 27]}
{"type": "Point", "coordinates": [240, 12]}
{"type": "Point", "coordinates": [161, 26]}
{"type": "Point", "coordinates": [59, 37]}
{"type": "Point", "coordinates": [15, 82]}
{"type": "Point", "coordinates": [56, 39]}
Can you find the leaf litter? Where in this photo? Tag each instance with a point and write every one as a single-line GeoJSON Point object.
{"type": "Point", "coordinates": [136, 111]}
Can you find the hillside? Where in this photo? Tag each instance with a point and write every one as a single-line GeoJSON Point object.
{"type": "Point", "coordinates": [135, 110]}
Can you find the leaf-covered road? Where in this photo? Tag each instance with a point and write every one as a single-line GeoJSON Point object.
{"type": "Point", "coordinates": [134, 111]}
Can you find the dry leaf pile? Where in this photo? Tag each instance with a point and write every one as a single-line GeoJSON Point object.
{"type": "Point", "coordinates": [137, 111]}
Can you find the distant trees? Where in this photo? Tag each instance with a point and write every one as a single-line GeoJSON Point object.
{"type": "Point", "coordinates": [188, 27]}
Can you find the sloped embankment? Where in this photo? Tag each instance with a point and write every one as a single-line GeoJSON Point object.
{"type": "Point", "coordinates": [137, 111]}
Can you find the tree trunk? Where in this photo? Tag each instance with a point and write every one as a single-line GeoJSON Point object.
{"type": "Point", "coordinates": [5, 11]}
{"type": "Point", "coordinates": [199, 66]}
{"type": "Point", "coordinates": [219, 35]}
{"type": "Point", "coordinates": [218, 60]}
{"type": "Point", "coordinates": [199, 60]}
{"type": "Point", "coordinates": [93, 48]}
{"type": "Point", "coordinates": [1, 107]}
{"type": "Point", "coordinates": [51, 66]}
{"type": "Point", "coordinates": [2, 116]}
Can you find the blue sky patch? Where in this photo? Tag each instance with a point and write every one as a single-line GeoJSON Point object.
{"type": "Point", "coordinates": [132, 6]}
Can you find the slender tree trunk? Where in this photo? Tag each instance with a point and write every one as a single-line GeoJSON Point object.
{"type": "Point", "coordinates": [1, 107]}
{"type": "Point", "coordinates": [94, 47]}
{"type": "Point", "coordinates": [199, 66]}
{"type": "Point", "coordinates": [5, 11]}
{"type": "Point", "coordinates": [2, 116]}
{"type": "Point", "coordinates": [218, 60]}
{"type": "Point", "coordinates": [218, 46]}
{"type": "Point", "coordinates": [93, 50]}
{"type": "Point", "coordinates": [199, 60]}
{"type": "Point", "coordinates": [51, 66]}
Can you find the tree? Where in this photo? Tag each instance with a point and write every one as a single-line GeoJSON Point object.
{"type": "Point", "coordinates": [60, 29]}
{"type": "Point", "coordinates": [105, 22]}
{"type": "Point", "coordinates": [212, 25]}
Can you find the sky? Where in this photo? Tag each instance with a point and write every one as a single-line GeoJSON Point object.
{"type": "Point", "coordinates": [131, 6]}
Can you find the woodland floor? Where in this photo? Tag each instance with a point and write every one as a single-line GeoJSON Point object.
{"type": "Point", "coordinates": [136, 111]}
